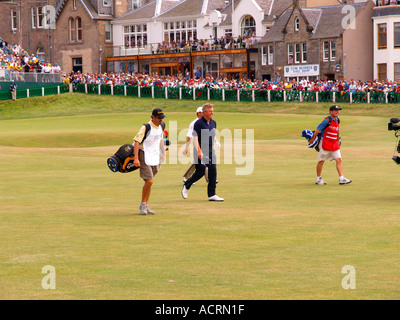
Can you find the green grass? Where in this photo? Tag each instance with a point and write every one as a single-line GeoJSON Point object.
{"type": "Point", "coordinates": [276, 236]}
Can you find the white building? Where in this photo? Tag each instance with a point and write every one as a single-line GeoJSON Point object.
{"type": "Point", "coordinates": [386, 20]}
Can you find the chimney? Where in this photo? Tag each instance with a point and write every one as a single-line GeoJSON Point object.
{"type": "Point", "coordinates": [120, 7]}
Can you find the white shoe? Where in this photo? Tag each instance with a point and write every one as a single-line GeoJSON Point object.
{"type": "Point", "coordinates": [215, 198]}
{"type": "Point", "coordinates": [344, 181]}
{"type": "Point", "coordinates": [185, 192]}
{"type": "Point", "coordinates": [320, 182]}
{"type": "Point", "coordinates": [149, 211]}
{"type": "Point", "coordinates": [143, 209]}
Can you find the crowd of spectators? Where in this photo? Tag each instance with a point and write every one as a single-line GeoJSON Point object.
{"type": "Point", "coordinates": [386, 2]}
{"type": "Point", "coordinates": [14, 59]}
{"type": "Point", "coordinates": [223, 43]}
{"type": "Point", "coordinates": [224, 83]}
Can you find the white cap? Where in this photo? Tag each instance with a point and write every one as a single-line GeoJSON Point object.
{"type": "Point", "coordinates": [199, 109]}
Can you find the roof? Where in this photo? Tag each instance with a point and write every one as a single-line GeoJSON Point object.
{"type": "Point", "coordinates": [193, 8]}
{"type": "Point", "coordinates": [330, 21]}
{"type": "Point", "coordinates": [144, 12]}
{"type": "Point", "coordinates": [90, 9]}
{"type": "Point", "coordinates": [325, 21]}
{"type": "Point", "coordinates": [265, 5]}
{"type": "Point", "coordinates": [278, 7]}
{"type": "Point", "coordinates": [167, 4]}
{"type": "Point", "coordinates": [227, 11]}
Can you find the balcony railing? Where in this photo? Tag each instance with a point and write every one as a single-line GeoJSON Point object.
{"type": "Point", "coordinates": [180, 47]}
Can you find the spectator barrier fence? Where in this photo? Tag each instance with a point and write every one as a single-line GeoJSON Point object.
{"type": "Point", "coordinates": [189, 93]}
{"type": "Point", "coordinates": [35, 92]}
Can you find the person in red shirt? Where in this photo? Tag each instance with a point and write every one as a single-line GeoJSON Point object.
{"type": "Point", "coordinates": [329, 145]}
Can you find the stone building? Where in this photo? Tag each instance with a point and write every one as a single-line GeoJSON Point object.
{"type": "Point", "coordinates": [329, 42]}
{"type": "Point", "coordinates": [84, 32]}
{"type": "Point", "coordinates": [25, 22]}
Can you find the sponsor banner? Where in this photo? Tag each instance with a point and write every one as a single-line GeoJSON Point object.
{"type": "Point", "coordinates": [302, 70]}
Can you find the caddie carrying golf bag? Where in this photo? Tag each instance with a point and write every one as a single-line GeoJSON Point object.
{"type": "Point", "coordinates": [122, 160]}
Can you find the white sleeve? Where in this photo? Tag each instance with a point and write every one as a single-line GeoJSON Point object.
{"type": "Point", "coordinates": [190, 131]}
{"type": "Point", "coordinates": [191, 128]}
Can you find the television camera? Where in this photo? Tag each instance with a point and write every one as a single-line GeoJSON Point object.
{"type": "Point", "coordinates": [394, 126]}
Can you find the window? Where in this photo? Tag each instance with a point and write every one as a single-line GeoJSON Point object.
{"type": "Point", "coordinates": [40, 16]}
{"type": "Point", "coordinates": [264, 56]}
{"type": "Point", "coordinates": [329, 50]}
{"type": "Point", "coordinates": [135, 35]}
{"type": "Point", "coordinates": [78, 29]}
{"type": "Point", "coordinates": [107, 27]}
{"type": "Point", "coordinates": [382, 39]}
{"type": "Point", "coordinates": [297, 55]}
{"type": "Point", "coordinates": [136, 4]}
{"type": "Point", "coordinates": [304, 53]}
{"type": "Point", "coordinates": [107, 3]}
{"type": "Point", "coordinates": [270, 55]}
{"type": "Point", "coordinates": [296, 24]}
{"type": "Point", "coordinates": [75, 29]}
{"type": "Point", "coordinates": [248, 26]}
{"type": "Point", "coordinates": [397, 34]}
{"type": "Point", "coordinates": [382, 71]}
{"type": "Point", "coordinates": [228, 33]}
{"type": "Point", "coordinates": [74, 4]}
{"type": "Point", "coordinates": [333, 51]}
{"type": "Point", "coordinates": [290, 53]}
{"type": "Point", "coordinates": [34, 17]}
{"type": "Point", "coordinates": [326, 51]}
{"type": "Point", "coordinates": [40, 19]}
{"type": "Point", "coordinates": [14, 19]}
{"type": "Point", "coordinates": [72, 30]}
{"type": "Point", "coordinates": [182, 31]}
{"type": "Point", "coordinates": [40, 54]}
{"type": "Point", "coordinates": [396, 72]}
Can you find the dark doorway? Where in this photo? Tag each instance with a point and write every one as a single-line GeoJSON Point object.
{"type": "Point", "coordinates": [77, 65]}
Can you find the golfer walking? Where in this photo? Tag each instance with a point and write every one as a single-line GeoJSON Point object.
{"type": "Point", "coordinates": [189, 137]}
{"type": "Point", "coordinates": [204, 131]}
{"type": "Point", "coordinates": [329, 145]}
{"type": "Point", "coordinates": [149, 152]}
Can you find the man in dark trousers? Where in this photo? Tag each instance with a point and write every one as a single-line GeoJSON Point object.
{"type": "Point", "coordinates": [204, 155]}
{"type": "Point", "coordinates": [13, 90]}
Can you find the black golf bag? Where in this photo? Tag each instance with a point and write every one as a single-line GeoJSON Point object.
{"type": "Point", "coordinates": [122, 160]}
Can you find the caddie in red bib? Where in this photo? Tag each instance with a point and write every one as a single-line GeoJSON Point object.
{"type": "Point", "coordinates": [329, 145]}
{"type": "Point", "coordinates": [330, 140]}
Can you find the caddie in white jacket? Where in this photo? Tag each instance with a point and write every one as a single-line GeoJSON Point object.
{"type": "Point", "coordinates": [149, 151]}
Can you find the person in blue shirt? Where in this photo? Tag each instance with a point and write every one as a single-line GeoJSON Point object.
{"type": "Point", "coordinates": [204, 131]}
